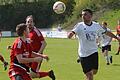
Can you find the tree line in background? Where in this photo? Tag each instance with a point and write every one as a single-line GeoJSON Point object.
{"type": "Point", "coordinates": [98, 6]}
{"type": "Point", "coordinates": [13, 12]}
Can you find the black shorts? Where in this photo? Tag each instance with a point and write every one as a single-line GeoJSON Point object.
{"type": "Point", "coordinates": [90, 62]}
{"type": "Point", "coordinates": [107, 47]}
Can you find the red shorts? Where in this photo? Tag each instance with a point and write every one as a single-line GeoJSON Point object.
{"type": "Point", "coordinates": [16, 73]}
{"type": "Point", "coordinates": [34, 66]}
{"type": "Point", "coordinates": [20, 77]}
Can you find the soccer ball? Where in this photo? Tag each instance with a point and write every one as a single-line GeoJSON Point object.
{"type": "Point", "coordinates": [59, 7]}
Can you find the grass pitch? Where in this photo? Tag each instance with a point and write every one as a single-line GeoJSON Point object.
{"type": "Point", "coordinates": [63, 55]}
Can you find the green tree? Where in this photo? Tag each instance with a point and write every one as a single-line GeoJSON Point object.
{"type": "Point", "coordinates": [15, 12]}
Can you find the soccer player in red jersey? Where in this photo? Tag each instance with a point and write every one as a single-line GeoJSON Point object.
{"type": "Point", "coordinates": [37, 40]}
{"type": "Point", "coordinates": [118, 34]}
{"type": "Point", "coordinates": [1, 57]}
{"type": "Point", "coordinates": [38, 43]}
{"type": "Point", "coordinates": [21, 55]}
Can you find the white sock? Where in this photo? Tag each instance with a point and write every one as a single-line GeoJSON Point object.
{"type": "Point", "coordinates": [107, 59]}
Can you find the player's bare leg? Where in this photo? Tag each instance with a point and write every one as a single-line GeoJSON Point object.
{"type": "Point", "coordinates": [43, 74]}
{"type": "Point", "coordinates": [89, 75]}
{"type": "Point", "coordinates": [107, 57]}
{"type": "Point", "coordinates": [118, 50]}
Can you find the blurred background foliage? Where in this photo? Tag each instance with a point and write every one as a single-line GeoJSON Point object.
{"type": "Point", "coordinates": [13, 12]}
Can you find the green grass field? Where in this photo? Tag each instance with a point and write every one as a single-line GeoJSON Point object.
{"type": "Point", "coordinates": [63, 55]}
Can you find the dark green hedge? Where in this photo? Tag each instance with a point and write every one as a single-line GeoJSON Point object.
{"type": "Point", "coordinates": [44, 16]}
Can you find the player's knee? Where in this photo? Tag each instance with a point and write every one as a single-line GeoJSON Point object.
{"type": "Point", "coordinates": [33, 74]}
{"type": "Point", "coordinates": [89, 74]}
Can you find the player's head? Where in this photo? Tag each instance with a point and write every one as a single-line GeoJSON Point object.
{"type": "Point", "coordinates": [22, 30]}
{"type": "Point", "coordinates": [29, 22]}
{"type": "Point", "coordinates": [87, 14]}
{"type": "Point", "coordinates": [104, 24]}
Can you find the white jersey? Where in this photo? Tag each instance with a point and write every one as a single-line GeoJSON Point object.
{"type": "Point", "coordinates": [87, 37]}
{"type": "Point", "coordinates": [105, 40]}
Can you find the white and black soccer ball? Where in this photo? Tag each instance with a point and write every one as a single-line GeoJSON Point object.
{"type": "Point", "coordinates": [59, 7]}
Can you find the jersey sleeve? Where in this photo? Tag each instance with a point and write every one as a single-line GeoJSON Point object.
{"type": "Point", "coordinates": [75, 29]}
{"type": "Point", "coordinates": [100, 30]}
{"type": "Point", "coordinates": [18, 48]}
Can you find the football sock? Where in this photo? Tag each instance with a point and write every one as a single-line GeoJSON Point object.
{"type": "Point", "coordinates": [107, 59]}
{"type": "Point", "coordinates": [42, 74]}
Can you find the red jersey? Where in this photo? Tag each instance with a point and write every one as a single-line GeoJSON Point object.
{"type": "Point", "coordinates": [19, 47]}
{"type": "Point", "coordinates": [36, 37]}
{"type": "Point", "coordinates": [118, 29]}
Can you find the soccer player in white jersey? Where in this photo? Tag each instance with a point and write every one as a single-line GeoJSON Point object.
{"type": "Point", "coordinates": [87, 32]}
{"type": "Point", "coordinates": [105, 43]}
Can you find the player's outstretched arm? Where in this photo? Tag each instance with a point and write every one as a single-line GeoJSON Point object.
{"type": "Point", "coordinates": [112, 35]}
{"type": "Point", "coordinates": [22, 59]}
{"type": "Point", "coordinates": [34, 54]}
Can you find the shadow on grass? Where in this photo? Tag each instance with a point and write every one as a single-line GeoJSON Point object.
{"type": "Point", "coordinates": [116, 64]}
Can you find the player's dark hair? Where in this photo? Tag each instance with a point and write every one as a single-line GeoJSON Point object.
{"type": "Point", "coordinates": [88, 10]}
{"type": "Point", "coordinates": [104, 23]}
{"type": "Point", "coordinates": [20, 28]}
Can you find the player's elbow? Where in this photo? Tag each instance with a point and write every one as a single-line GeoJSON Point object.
{"type": "Point", "coordinates": [20, 61]}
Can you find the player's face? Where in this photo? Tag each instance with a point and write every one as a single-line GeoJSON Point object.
{"type": "Point", "coordinates": [26, 32]}
{"type": "Point", "coordinates": [29, 23]}
{"type": "Point", "coordinates": [86, 16]}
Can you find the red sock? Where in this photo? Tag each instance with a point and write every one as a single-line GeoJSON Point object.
{"type": "Point", "coordinates": [1, 58]}
{"type": "Point", "coordinates": [43, 74]}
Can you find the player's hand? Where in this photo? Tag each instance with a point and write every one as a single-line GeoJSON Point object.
{"type": "Point", "coordinates": [46, 57]}
{"type": "Point", "coordinates": [9, 47]}
{"type": "Point", "coordinates": [38, 59]}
